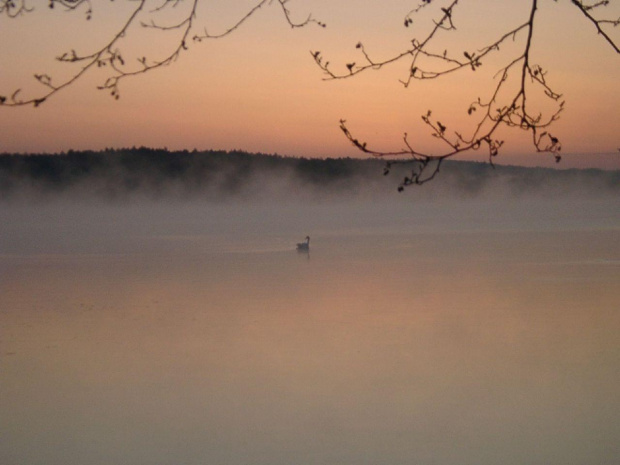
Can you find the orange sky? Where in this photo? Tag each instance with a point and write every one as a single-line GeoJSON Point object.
{"type": "Point", "coordinates": [259, 89]}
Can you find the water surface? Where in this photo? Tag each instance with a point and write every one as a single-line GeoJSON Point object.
{"type": "Point", "coordinates": [196, 334]}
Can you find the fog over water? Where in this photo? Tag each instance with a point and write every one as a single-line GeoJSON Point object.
{"type": "Point", "coordinates": [463, 323]}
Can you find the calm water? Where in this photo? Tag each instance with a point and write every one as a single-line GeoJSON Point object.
{"type": "Point", "coordinates": [195, 334]}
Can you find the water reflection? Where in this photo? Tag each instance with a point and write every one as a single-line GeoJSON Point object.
{"type": "Point", "coordinates": [454, 348]}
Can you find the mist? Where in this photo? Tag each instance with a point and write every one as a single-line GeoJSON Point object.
{"type": "Point", "coordinates": [146, 200]}
{"type": "Point", "coordinates": [154, 310]}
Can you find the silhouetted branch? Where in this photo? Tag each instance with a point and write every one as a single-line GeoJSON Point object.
{"type": "Point", "coordinates": [70, 5]}
{"type": "Point", "coordinates": [417, 50]}
{"type": "Point", "coordinates": [515, 109]}
{"type": "Point", "coordinates": [146, 14]}
{"type": "Point", "coordinates": [14, 8]}
{"type": "Point", "coordinates": [585, 9]}
{"type": "Point", "coordinates": [234, 27]}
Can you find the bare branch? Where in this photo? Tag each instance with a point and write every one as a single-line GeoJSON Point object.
{"type": "Point", "coordinates": [110, 54]}
{"type": "Point", "coordinates": [250, 13]}
{"type": "Point", "coordinates": [97, 58]}
{"type": "Point", "coordinates": [585, 9]}
{"type": "Point", "coordinates": [513, 109]}
{"type": "Point", "coordinates": [14, 8]}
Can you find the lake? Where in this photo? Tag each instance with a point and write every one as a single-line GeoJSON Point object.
{"type": "Point", "coordinates": [448, 332]}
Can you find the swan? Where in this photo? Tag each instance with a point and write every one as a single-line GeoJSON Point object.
{"type": "Point", "coordinates": [304, 246]}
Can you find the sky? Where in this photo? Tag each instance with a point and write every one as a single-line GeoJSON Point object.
{"type": "Point", "coordinates": [259, 89]}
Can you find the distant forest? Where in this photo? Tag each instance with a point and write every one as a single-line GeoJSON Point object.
{"type": "Point", "coordinates": [161, 173]}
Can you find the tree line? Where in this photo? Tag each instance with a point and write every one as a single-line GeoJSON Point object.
{"type": "Point", "coordinates": [159, 172]}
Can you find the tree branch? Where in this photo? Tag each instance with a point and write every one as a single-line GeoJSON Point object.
{"type": "Point", "coordinates": [14, 8]}
{"type": "Point", "coordinates": [585, 9]}
{"type": "Point", "coordinates": [110, 55]}
{"type": "Point", "coordinates": [514, 110]}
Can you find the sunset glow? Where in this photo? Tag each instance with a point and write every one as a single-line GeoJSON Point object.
{"type": "Point", "coordinates": [259, 89]}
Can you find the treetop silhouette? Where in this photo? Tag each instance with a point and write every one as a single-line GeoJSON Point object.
{"type": "Point", "coordinates": [521, 94]}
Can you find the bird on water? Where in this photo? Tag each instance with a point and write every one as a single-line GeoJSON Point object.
{"type": "Point", "coordinates": [304, 246]}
